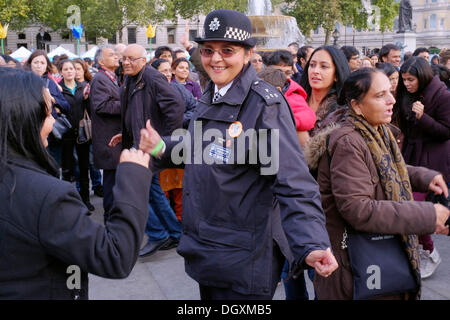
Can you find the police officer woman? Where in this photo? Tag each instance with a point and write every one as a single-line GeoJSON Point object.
{"type": "Point", "coordinates": [243, 210]}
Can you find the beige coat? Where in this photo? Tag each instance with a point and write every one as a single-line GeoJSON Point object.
{"type": "Point", "coordinates": [352, 193]}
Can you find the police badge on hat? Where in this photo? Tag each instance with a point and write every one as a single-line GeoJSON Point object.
{"type": "Point", "coordinates": [227, 25]}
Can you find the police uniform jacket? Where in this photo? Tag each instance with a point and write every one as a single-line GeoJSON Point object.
{"type": "Point", "coordinates": [235, 217]}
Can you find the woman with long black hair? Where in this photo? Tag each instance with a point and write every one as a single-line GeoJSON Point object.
{"type": "Point", "coordinates": [424, 118]}
{"type": "Point", "coordinates": [322, 79]}
{"type": "Point", "coordinates": [43, 222]}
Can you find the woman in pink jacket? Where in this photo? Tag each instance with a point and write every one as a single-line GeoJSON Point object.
{"type": "Point", "coordinates": [304, 116]}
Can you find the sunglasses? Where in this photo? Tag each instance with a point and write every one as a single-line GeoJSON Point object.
{"type": "Point", "coordinates": [257, 60]}
{"type": "Point", "coordinates": [224, 52]}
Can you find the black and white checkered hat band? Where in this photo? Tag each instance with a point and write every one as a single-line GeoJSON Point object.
{"type": "Point", "coordinates": [236, 34]}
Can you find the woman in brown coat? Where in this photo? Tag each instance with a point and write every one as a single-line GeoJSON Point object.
{"type": "Point", "coordinates": [365, 184]}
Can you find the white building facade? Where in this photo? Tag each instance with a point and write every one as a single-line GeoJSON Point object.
{"type": "Point", "coordinates": [431, 20]}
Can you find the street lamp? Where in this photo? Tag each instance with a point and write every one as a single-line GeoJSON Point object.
{"type": "Point", "coordinates": [335, 36]}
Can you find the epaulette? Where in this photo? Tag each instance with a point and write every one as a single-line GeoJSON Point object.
{"type": "Point", "coordinates": [269, 93]}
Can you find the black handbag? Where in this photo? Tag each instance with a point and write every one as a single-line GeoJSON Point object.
{"type": "Point", "coordinates": [84, 129]}
{"type": "Point", "coordinates": [379, 264]}
{"type": "Point", "coordinates": [61, 126]}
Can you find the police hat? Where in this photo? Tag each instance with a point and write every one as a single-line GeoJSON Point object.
{"type": "Point", "coordinates": [227, 25]}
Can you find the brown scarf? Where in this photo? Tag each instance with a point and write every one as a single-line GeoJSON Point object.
{"type": "Point", "coordinates": [393, 176]}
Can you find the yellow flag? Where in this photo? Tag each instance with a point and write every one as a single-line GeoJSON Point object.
{"type": "Point", "coordinates": [3, 31]}
{"type": "Point", "coordinates": [151, 31]}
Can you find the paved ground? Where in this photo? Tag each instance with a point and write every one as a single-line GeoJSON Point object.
{"type": "Point", "coordinates": [162, 277]}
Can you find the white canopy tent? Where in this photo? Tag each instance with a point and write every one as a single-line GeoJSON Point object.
{"type": "Point", "coordinates": [21, 54]}
{"type": "Point", "coordinates": [59, 51]}
{"type": "Point", "coordinates": [90, 53]}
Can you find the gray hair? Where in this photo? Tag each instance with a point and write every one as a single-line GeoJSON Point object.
{"type": "Point", "coordinates": [99, 53]}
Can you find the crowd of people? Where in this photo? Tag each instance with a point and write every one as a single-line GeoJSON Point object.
{"type": "Point", "coordinates": [361, 144]}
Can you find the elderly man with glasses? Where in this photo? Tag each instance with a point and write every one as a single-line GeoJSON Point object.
{"type": "Point", "coordinates": [146, 95]}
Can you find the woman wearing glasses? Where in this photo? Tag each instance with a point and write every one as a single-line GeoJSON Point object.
{"type": "Point", "coordinates": [240, 208]}
{"type": "Point", "coordinates": [257, 62]}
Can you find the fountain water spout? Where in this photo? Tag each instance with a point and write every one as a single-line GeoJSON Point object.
{"type": "Point", "coordinates": [272, 32]}
{"type": "Point", "coordinates": [259, 7]}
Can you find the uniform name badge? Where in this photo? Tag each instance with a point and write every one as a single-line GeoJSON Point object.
{"type": "Point", "coordinates": [220, 153]}
{"type": "Point", "coordinates": [235, 129]}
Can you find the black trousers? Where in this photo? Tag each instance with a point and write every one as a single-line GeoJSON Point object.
{"type": "Point", "coordinates": [109, 180]}
{"type": "Point", "coordinates": [68, 163]}
{"type": "Point", "coordinates": [215, 293]}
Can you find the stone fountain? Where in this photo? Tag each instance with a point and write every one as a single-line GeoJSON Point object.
{"type": "Point", "coordinates": [273, 32]}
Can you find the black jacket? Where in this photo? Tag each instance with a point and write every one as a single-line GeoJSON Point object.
{"type": "Point", "coordinates": [152, 98]}
{"type": "Point", "coordinates": [427, 140]}
{"type": "Point", "coordinates": [61, 102]}
{"type": "Point", "coordinates": [238, 207]}
{"type": "Point", "coordinates": [189, 102]}
{"type": "Point", "coordinates": [44, 229]}
{"type": "Point", "coordinates": [106, 122]}
{"type": "Point", "coordinates": [77, 106]}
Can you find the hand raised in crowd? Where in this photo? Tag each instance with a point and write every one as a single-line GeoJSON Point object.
{"type": "Point", "coordinates": [49, 100]}
{"type": "Point", "coordinates": [438, 185]}
{"type": "Point", "coordinates": [323, 262]}
{"type": "Point", "coordinates": [48, 96]}
{"type": "Point", "coordinates": [184, 41]}
{"type": "Point", "coordinates": [135, 156]}
{"type": "Point", "coordinates": [115, 140]}
{"type": "Point", "coordinates": [418, 109]}
{"type": "Point", "coordinates": [149, 138]}
{"type": "Point", "coordinates": [442, 214]}
{"type": "Point", "coordinates": [86, 90]}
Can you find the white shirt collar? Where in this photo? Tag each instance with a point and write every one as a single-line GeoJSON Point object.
{"type": "Point", "coordinates": [224, 90]}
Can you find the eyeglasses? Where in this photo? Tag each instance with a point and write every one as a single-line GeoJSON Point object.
{"type": "Point", "coordinates": [224, 52]}
{"type": "Point", "coordinates": [132, 60]}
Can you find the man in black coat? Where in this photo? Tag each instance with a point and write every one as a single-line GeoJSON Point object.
{"type": "Point", "coordinates": [145, 95]}
{"type": "Point", "coordinates": [105, 116]}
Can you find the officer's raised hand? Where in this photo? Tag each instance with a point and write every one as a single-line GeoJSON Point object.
{"type": "Point", "coordinates": [323, 262]}
{"type": "Point", "coordinates": [151, 141]}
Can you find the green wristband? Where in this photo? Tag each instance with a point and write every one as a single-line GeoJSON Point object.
{"type": "Point", "coordinates": [158, 148]}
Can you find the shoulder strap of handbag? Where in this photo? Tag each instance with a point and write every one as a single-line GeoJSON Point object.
{"type": "Point", "coordinates": [347, 226]}
{"type": "Point", "coordinates": [86, 115]}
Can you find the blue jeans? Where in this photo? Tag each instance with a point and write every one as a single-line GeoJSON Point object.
{"type": "Point", "coordinates": [162, 221]}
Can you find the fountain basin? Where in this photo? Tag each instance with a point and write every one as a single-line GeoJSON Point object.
{"type": "Point", "coordinates": [275, 32]}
